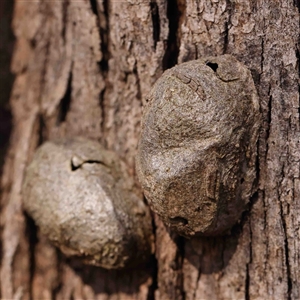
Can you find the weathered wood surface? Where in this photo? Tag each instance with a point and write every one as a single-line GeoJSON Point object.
{"type": "Point", "coordinates": [84, 68]}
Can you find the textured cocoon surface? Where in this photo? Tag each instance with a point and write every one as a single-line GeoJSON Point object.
{"type": "Point", "coordinates": [197, 149]}
{"type": "Point", "coordinates": [83, 199]}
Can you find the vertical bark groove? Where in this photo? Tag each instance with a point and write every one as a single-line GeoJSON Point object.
{"type": "Point", "coordinates": [31, 231]}
{"type": "Point", "coordinates": [172, 47]}
{"type": "Point", "coordinates": [155, 22]}
{"type": "Point", "coordinates": [104, 35]}
{"type": "Point", "coordinates": [287, 260]}
{"type": "Point", "coordinates": [65, 102]}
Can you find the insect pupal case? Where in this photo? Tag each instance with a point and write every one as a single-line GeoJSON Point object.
{"type": "Point", "coordinates": [83, 199]}
{"type": "Point", "coordinates": [197, 149]}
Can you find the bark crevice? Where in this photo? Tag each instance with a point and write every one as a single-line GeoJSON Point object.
{"type": "Point", "coordinates": [172, 47]}
{"type": "Point", "coordinates": [138, 85]}
{"type": "Point", "coordinates": [247, 280]}
{"type": "Point", "coordinates": [104, 36]}
{"type": "Point", "coordinates": [229, 8]}
{"type": "Point", "coordinates": [269, 120]}
{"type": "Point", "coordinates": [298, 66]}
{"type": "Point", "coordinates": [155, 22]}
{"type": "Point", "coordinates": [65, 102]}
{"type": "Point", "coordinates": [31, 231]}
{"type": "Point", "coordinates": [297, 4]}
{"type": "Point", "coordinates": [65, 7]}
{"type": "Point", "coordinates": [286, 252]}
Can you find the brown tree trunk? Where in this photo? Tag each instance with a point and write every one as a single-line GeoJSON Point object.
{"type": "Point", "coordinates": [82, 68]}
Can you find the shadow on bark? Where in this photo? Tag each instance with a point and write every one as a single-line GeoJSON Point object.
{"type": "Point", "coordinates": [126, 281]}
{"type": "Point", "coordinates": [6, 82]}
{"type": "Point", "coordinates": [6, 77]}
{"type": "Point", "coordinates": [211, 254]}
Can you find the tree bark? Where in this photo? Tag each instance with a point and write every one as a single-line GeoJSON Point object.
{"type": "Point", "coordinates": [83, 68]}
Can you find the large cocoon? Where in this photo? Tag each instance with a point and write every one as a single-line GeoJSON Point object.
{"type": "Point", "coordinates": [197, 150]}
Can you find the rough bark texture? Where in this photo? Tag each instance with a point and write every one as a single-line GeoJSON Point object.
{"type": "Point", "coordinates": [82, 68]}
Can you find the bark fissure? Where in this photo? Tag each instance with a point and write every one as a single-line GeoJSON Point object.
{"type": "Point", "coordinates": [257, 164]}
{"type": "Point", "coordinates": [262, 56]}
{"type": "Point", "coordinates": [298, 66]}
{"type": "Point", "coordinates": [65, 7]}
{"type": "Point", "coordinates": [226, 34]}
{"type": "Point", "coordinates": [180, 241]}
{"type": "Point", "coordinates": [154, 286]}
{"type": "Point", "coordinates": [269, 120]}
{"type": "Point", "coordinates": [65, 102]}
{"type": "Point", "coordinates": [101, 104]}
{"type": "Point", "coordinates": [32, 237]}
{"type": "Point", "coordinates": [172, 47]}
{"type": "Point", "coordinates": [103, 26]}
{"type": "Point", "coordinates": [42, 130]}
{"type": "Point", "coordinates": [6, 83]}
{"type": "Point", "coordinates": [5, 131]}
{"type": "Point", "coordinates": [263, 196]}
{"type": "Point", "coordinates": [286, 246]}
{"type": "Point", "coordinates": [138, 85]}
{"type": "Point", "coordinates": [229, 6]}
{"type": "Point", "coordinates": [155, 22]}
{"type": "Point", "coordinates": [104, 35]}
{"type": "Point", "coordinates": [297, 4]}
{"type": "Point", "coordinates": [247, 283]}
{"type": "Point", "coordinates": [238, 228]}
{"type": "Point", "coordinates": [94, 7]}
{"type": "Point", "coordinates": [45, 67]}
{"type": "Point", "coordinates": [247, 280]}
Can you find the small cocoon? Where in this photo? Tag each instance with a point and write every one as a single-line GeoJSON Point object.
{"type": "Point", "coordinates": [83, 199]}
